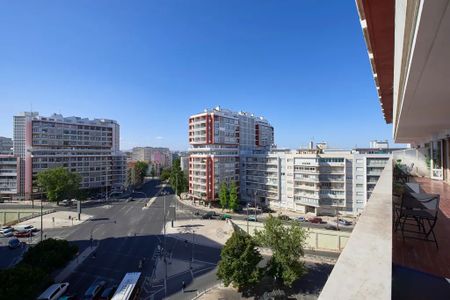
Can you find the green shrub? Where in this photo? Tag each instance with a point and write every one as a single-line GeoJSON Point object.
{"type": "Point", "coordinates": [22, 282]}
{"type": "Point", "coordinates": [50, 255]}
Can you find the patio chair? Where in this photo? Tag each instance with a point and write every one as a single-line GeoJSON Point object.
{"type": "Point", "coordinates": [426, 219]}
{"type": "Point", "coordinates": [402, 203]}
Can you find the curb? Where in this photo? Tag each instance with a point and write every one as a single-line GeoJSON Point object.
{"type": "Point", "coordinates": [206, 291]}
{"type": "Point", "coordinates": [73, 265]}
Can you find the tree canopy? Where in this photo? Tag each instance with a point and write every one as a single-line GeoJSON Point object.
{"type": "Point", "coordinates": [58, 183]}
{"type": "Point", "coordinates": [239, 261]}
{"type": "Point", "coordinates": [233, 198]}
{"type": "Point", "coordinates": [287, 245]}
{"type": "Point", "coordinates": [140, 168]}
{"type": "Point", "coordinates": [178, 179]}
{"type": "Point", "coordinates": [223, 195]}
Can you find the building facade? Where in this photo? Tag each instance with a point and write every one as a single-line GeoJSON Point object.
{"type": "Point", "coordinates": [218, 138]}
{"type": "Point", "coordinates": [90, 148]}
{"type": "Point", "coordinates": [322, 182]}
{"type": "Point", "coordinates": [6, 145]}
{"type": "Point", "coordinates": [157, 157]}
{"type": "Point", "coordinates": [9, 169]}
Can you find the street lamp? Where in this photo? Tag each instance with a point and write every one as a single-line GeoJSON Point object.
{"type": "Point", "coordinates": [247, 216]}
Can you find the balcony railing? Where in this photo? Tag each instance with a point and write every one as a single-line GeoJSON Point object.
{"type": "Point", "coordinates": [367, 257]}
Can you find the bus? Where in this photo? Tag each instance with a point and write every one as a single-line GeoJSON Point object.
{"type": "Point", "coordinates": [129, 288]}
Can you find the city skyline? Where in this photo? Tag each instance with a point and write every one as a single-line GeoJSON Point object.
{"type": "Point", "coordinates": [208, 54]}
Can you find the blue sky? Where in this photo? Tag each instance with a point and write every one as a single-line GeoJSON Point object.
{"type": "Point", "coordinates": [150, 64]}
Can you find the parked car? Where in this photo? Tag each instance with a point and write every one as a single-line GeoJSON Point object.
{"type": "Point", "coordinates": [331, 227]}
{"type": "Point", "coordinates": [64, 202]}
{"type": "Point", "coordinates": [94, 290]}
{"type": "Point", "coordinates": [266, 209]}
{"type": "Point", "coordinates": [24, 233]}
{"type": "Point", "coordinates": [24, 228]}
{"type": "Point", "coordinates": [284, 218]}
{"type": "Point", "coordinates": [108, 293]}
{"type": "Point", "coordinates": [130, 199]}
{"type": "Point", "coordinates": [13, 243]}
{"type": "Point", "coordinates": [301, 219]}
{"type": "Point", "coordinates": [7, 231]}
{"type": "Point", "coordinates": [54, 291]}
{"type": "Point", "coordinates": [225, 216]}
{"type": "Point", "coordinates": [68, 297]}
{"type": "Point", "coordinates": [315, 220]}
{"type": "Point", "coordinates": [274, 295]}
{"type": "Point", "coordinates": [251, 218]}
{"type": "Point", "coordinates": [209, 215]}
{"type": "Point", "coordinates": [344, 222]}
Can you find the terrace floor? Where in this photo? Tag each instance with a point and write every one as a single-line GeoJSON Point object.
{"type": "Point", "coordinates": [423, 255]}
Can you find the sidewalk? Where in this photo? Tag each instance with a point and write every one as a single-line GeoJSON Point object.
{"type": "Point", "coordinates": [212, 233]}
{"type": "Point", "coordinates": [57, 219]}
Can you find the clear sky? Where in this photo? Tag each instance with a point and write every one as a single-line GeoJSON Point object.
{"type": "Point", "coordinates": [302, 64]}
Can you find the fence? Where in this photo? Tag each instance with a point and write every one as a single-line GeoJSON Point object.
{"type": "Point", "coordinates": [11, 217]}
{"type": "Point", "coordinates": [318, 239]}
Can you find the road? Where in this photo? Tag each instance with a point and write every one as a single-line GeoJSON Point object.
{"type": "Point", "coordinates": [124, 234]}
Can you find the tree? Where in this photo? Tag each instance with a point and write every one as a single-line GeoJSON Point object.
{"type": "Point", "coordinates": [140, 168]}
{"type": "Point", "coordinates": [178, 179]}
{"type": "Point", "coordinates": [287, 244]}
{"type": "Point", "coordinates": [153, 171]}
{"type": "Point", "coordinates": [58, 183]}
{"type": "Point", "coordinates": [233, 201]}
{"type": "Point", "coordinates": [223, 195]}
{"type": "Point", "coordinates": [239, 260]}
{"type": "Point", "coordinates": [165, 174]}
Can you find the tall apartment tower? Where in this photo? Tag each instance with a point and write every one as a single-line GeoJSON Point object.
{"type": "Point", "coordinates": [90, 148]}
{"type": "Point", "coordinates": [218, 138]}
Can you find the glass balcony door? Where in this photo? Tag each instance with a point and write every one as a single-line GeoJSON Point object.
{"type": "Point", "coordinates": [437, 170]}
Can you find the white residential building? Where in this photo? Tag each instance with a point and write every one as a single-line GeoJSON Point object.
{"type": "Point", "coordinates": [218, 137]}
{"type": "Point", "coordinates": [87, 147]}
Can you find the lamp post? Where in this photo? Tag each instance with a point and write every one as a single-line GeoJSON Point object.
{"type": "Point", "coordinates": [247, 217]}
{"type": "Point", "coordinates": [256, 218]}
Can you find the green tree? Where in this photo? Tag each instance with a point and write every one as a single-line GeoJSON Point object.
{"type": "Point", "coordinates": [233, 201]}
{"type": "Point", "coordinates": [223, 195]}
{"type": "Point", "coordinates": [239, 261]}
{"type": "Point", "coordinates": [178, 179]}
{"type": "Point", "coordinates": [153, 171]}
{"type": "Point", "coordinates": [58, 183]}
{"type": "Point", "coordinates": [287, 244]}
{"type": "Point", "coordinates": [165, 174]}
{"type": "Point", "coordinates": [140, 168]}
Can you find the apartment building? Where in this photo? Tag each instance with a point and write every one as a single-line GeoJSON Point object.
{"type": "Point", "coordinates": [318, 181]}
{"type": "Point", "coordinates": [6, 145]}
{"type": "Point", "coordinates": [218, 137]}
{"type": "Point", "coordinates": [87, 147]}
{"type": "Point", "coordinates": [156, 156]}
{"type": "Point", "coordinates": [9, 169]}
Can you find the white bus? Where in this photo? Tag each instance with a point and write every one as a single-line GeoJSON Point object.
{"type": "Point", "coordinates": [128, 289]}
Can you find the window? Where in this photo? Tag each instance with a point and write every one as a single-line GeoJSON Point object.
{"type": "Point", "coordinates": [359, 169]}
{"type": "Point", "coordinates": [359, 185]}
{"type": "Point", "coordinates": [359, 194]}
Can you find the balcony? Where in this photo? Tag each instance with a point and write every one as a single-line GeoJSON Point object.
{"type": "Point", "coordinates": [367, 257]}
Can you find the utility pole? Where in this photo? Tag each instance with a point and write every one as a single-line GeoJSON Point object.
{"type": "Point", "coordinates": [247, 218]}
{"type": "Point", "coordinates": [256, 218]}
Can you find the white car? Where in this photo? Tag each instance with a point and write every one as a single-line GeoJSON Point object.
{"type": "Point", "coordinates": [54, 291]}
{"type": "Point", "coordinates": [6, 229]}
{"type": "Point", "coordinates": [23, 228]}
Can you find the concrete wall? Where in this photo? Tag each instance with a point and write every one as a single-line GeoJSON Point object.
{"type": "Point", "coordinates": [364, 268]}
{"type": "Point", "coordinates": [318, 239]}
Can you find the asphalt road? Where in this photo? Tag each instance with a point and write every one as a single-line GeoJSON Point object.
{"type": "Point", "coordinates": [125, 233]}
